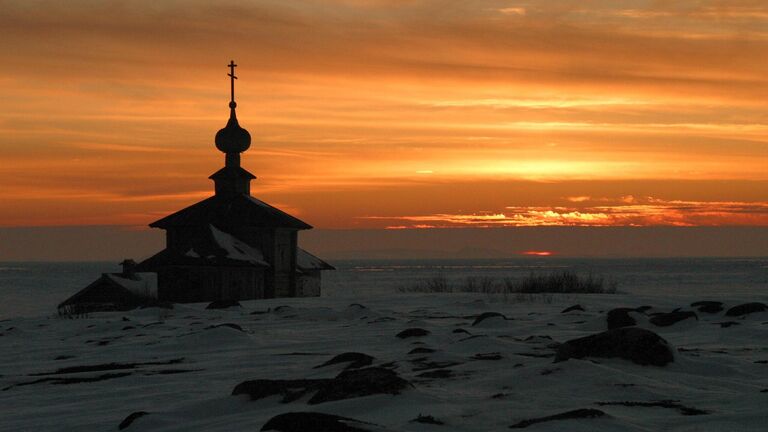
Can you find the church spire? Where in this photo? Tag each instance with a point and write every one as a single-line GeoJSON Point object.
{"type": "Point", "coordinates": [232, 140]}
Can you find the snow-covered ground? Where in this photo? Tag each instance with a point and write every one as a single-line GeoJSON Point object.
{"type": "Point", "coordinates": [182, 365]}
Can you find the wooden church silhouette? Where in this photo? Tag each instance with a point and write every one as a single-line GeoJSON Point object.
{"type": "Point", "coordinates": [230, 246]}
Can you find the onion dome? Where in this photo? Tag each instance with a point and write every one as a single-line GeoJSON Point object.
{"type": "Point", "coordinates": [232, 138]}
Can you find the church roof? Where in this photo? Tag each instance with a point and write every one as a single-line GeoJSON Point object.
{"type": "Point", "coordinates": [237, 210]}
{"type": "Point", "coordinates": [216, 248]}
{"type": "Point", "coordinates": [230, 172]}
{"type": "Point", "coordinates": [307, 261]}
{"type": "Point", "coordinates": [115, 289]}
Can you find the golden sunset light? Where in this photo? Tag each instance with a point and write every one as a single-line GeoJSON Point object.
{"type": "Point", "coordinates": [383, 215]}
{"type": "Point", "coordinates": [500, 112]}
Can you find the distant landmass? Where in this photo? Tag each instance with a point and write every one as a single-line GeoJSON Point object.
{"type": "Point", "coordinates": [110, 243]}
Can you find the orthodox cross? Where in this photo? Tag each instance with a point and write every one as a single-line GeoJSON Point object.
{"type": "Point", "coordinates": [232, 77]}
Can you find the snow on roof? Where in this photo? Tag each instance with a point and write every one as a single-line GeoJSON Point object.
{"type": "Point", "coordinates": [144, 284]}
{"type": "Point", "coordinates": [307, 261]}
{"type": "Point", "coordinates": [236, 249]}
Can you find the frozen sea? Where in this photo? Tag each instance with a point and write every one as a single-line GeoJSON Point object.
{"type": "Point", "coordinates": [181, 366]}
{"type": "Point", "coordinates": [35, 288]}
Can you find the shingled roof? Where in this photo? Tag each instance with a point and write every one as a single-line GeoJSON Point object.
{"type": "Point", "coordinates": [238, 210]}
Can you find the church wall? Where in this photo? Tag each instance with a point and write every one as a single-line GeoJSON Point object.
{"type": "Point", "coordinates": [284, 263]}
{"type": "Point", "coordinates": [308, 284]}
{"type": "Point", "coordinates": [187, 284]}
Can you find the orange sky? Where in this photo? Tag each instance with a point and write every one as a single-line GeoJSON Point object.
{"type": "Point", "coordinates": [390, 114]}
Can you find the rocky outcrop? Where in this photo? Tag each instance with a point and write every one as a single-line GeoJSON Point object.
{"type": "Point", "coordinates": [315, 422]}
{"type": "Point", "coordinates": [710, 307]}
{"type": "Point", "coordinates": [640, 346]}
{"type": "Point", "coordinates": [223, 304]}
{"type": "Point", "coordinates": [412, 332]}
{"type": "Point", "coordinates": [356, 360]}
{"type": "Point", "coordinates": [486, 315]}
{"type": "Point", "coordinates": [619, 317]}
{"type": "Point", "coordinates": [347, 385]}
{"type": "Point", "coordinates": [668, 319]}
{"type": "Point", "coordinates": [746, 309]}
{"type": "Point", "coordinates": [575, 414]}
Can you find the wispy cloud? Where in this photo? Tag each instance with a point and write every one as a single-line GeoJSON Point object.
{"type": "Point", "coordinates": [648, 211]}
{"type": "Point", "coordinates": [360, 100]}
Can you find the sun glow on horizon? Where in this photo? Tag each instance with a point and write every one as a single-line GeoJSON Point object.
{"type": "Point", "coordinates": [537, 253]}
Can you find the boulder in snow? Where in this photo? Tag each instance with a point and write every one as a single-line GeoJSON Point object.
{"type": "Point", "coordinates": [746, 309]}
{"type": "Point", "coordinates": [640, 346]}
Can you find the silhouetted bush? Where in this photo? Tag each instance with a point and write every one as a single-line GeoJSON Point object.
{"type": "Point", "coordinates": [434, 284]}
{"type": "Point", "coordinates": [560, 282]}
{"type": "Point", "coordinates": [484, 284]}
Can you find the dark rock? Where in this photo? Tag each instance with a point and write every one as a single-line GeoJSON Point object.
{"type": "Point", "coordinates": [537, 338]}
{"type": "Point", "coordinates": [71, 380]}
{"type": "Point", "coordinates": [382, 319]}
{"type": "Point", "coordinates": [260, 312]}
{"type": "Point", "coordinates": [671, 404]}
{"type": "Point", "coordinates": [575, 414]}
{"type": "Point", "coordinates": [314, 422]}
{"type": "Point", "coordinates": [708, 306]}
{"type": "Point", "coordinates": [472, 337]}
{"type": "Point", "coordinates": [422, 365]}
{"type": "Point", "coordinates": [356, 360]}
{"type": "Point", "coordinates": [576, 307]}
{"type": "Point", "coordinates": [228, 325]}
{"type": "Point", "coordinates": [726, 324]}
{"type": "Point", "coordinates": [64, 357]}
{"type": "Point", "coordinates": [439, 373]}
{"type": "Point", "coordinates": [157, 304]}
{"type": "Point", "coordinates": [348, 384]}
{"type": "Point", "coordinates": [536, 355]}
{"type": "Point", "coordinates": [290, 390]}
{"type": "Point", "coordinates": [131, 418]}
{"type": "Point", "coordinates": [485, 315]}
{"type": "Point", "coordinates": [360, 382]}
{"type": "Point", "coordinates": [487, 356]}
{"type": "Point", "coordinates": [172, 371]}
{"type": "Point", "coordinates": [412, 332]}
{"type": "Point", "coordinates": [460, 330]}
{"type": "Point", "coordinates": [746, 308]}
{"type": "Point", "coordinates": [421, 350]}
{"type": "Point", "coordinates": [427, 420]}
{"type": "Point", "coordinates": [640, 346]}
{"type": "Point", "coordinates": [667, 319]}
{"type": "Point", "coordinates": [106, 367]}
{"type": "Point", "coordinates": [643, 309]}
{"type": "Point", "coordinates": [619, 317]}
{"type": "Point", "coordinates": [223, 304]}
{"type": "Point", "coordinates": [299, 353]}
